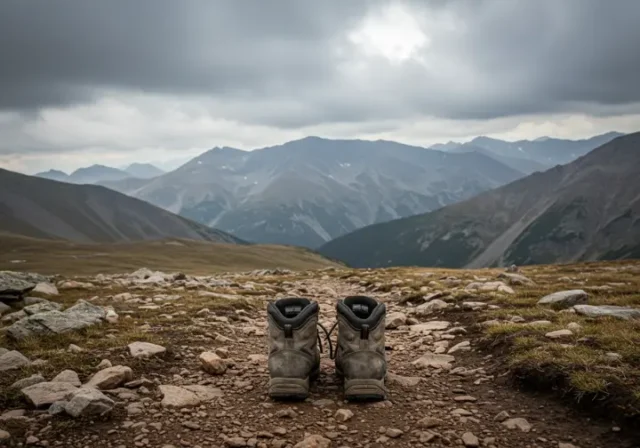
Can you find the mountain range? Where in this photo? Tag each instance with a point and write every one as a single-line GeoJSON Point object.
{"type": "Point", "coordinates": [586, 210]}
{"type": "Point", "coordinates": [47, 209]}
{"type": "Point", "coordinates": [309, 191]}
{"type": "Point", "coordinates": [96, 174]}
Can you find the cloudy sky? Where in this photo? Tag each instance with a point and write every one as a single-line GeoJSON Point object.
{"type": "Point", "coordinates": [116, 81]}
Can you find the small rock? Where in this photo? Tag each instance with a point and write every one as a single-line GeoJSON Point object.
{"type": "Point", "coordinates": [29, 381]}
{"type": "Point", "coordinates": [68, 376]}
{"type": "Point", "coordinates": [463, 346]}
{"type": "Point", "coordinates": [429, 422]}
{"type": "Point", "coordinates": [470, 440]}
{"type": "Point", "coordinates": [145, 349]}
{"type": "Point", "coordinates": [518, 423]}
{"type": "Point", "coordinates": [564, 299]}
{"type": "Point", "coordinates": [314, 441]}
{"type": "Point", "coordinates": [618, 312]}
{"type": "Point", "coordinates": [13, 360]}
{"type": "Point", "coordinates": [404, 381]}
{"type": "Point", "coordinates": [434, 361]}
{"type": "Point", "coordinates": [393, 433]}
{"type": "Point", "coordinates": [558, 334]}
{"type": "Point", "coordinates": [343, 415]}
{"type": "Point", "coordinates": [4, 435]}
{"type": "Point", "coordinates": [212, 363]}
{"type": "Point", "coordinates": [74, 349]}
{"type": "Point", "coordinates": [46, 289]}
{"type": "Point", "coordinates": [104, 364]}
{"type": "Point", "coordinates": [87, 402]}
{"type": "Point", "coordinates": [394, 320]}
{"type": "Point", "coordinates": [574, 326]}
{"type": "Point", "coordinates": [502, 416]}
{"type": "Point", "coordinates": [111, 377]}
{"type": "Point", "coordinates": [566, 445]}
{"type": "Point", "coordinates": [177, 397]}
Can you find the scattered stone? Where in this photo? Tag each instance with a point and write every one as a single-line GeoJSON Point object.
{"type": "Point", "coordinates": [87, 402]}
{"type": "Point", "coordinates": [470, 440]}
{"type": "Point", "coordinates": [314, 441]}
{"type": "Point", "coordinates": [428, 308]}
{"type": "Point", "coordinates": [322, 402]}
{"type": "Point", "coordinates": [343, 415]}
{"type": "Point", "coordinates": [434, 325]}
{"type": "Point", "coordinates": [205, 393]}
{"type": "Point", "coordinates": [490, 286]}
{"type": "Point", "coordinates": [67, 376]}
{"type": "Point", "coordinates": [74, 349]}
{"type": "Point", "coordinates": [46, 393]}
{"type": "Point", "coordinates": [13, 360]}
{"type": "Point", "coordinates": [393, 433]}
{"type": "Point", "coordinates": [177, 397]}
{"type": "Point", "coordinates": [145, 349]}
{"type": "Point", "coordinates": [104, 364]}
{"type": "Point", "coordinates": [429, 422]}
{"type": "Point", "coordinates": [13, 285]}
{"type": "Point", "coordinates": [4, 308]}
{"type": "Point", "coordinates": [502, 416]}
{"type": "Point", "coordinates": [258, 359]}
{"type": "Point", "coordinates": [566, 445]}
{"type": "Point", "coordinates": [574, 326]}
{"type": "Point", "coordinates": [404, 381]}
{"type": "Point", "coordinates": [286, 413]}
{"type": "Point", "coordinates": [516, 279]}
{"type": "Point", "coordinates": [394, 320]}
{"type": "Point", "coordinates": [540, 323]}
{"type": "Point", "coordinates": [613, 356]}
{"type": "Point", "coordinates": [474, 306]}
{"type": "Point", "coordinates": [46, 289]}
{"type": "Point", "coordinates": [618, 312]}
{"type": "Point", "coordinates": [463, 346]}
{"type": "Point", "coordinates": [564, 299]}
{"type": "Point", "coordinates": [29, 381]}
{"type": "Point", "coordinates": [212, 363]}
{"type": "Point", "coordinates": [559, 334]}
{"type": "Point", "coordinates": [465, 398]}
{"type": "Point", "coordinates": [518, 423]}
{"type": "Point", "coordinates": [4, 436]}
{"type": "Point", "coordinates": [434, 360]}
{"type": "Point", "coordinates": [111, 377]}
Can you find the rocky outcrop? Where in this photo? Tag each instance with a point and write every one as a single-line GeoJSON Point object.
{"type": "Point", "coordinates": [82, 315]}
{"type": "Point", "coordinates": [564, 299]}
{"type": "Point", "coordinates": [619, 312]}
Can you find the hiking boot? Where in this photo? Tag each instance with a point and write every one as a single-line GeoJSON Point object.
{"type": "Point", "coordinates": [294, 358]}
{"type": "Point", "coordinates": [360, 356]}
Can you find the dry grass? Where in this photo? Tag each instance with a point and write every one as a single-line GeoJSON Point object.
{"type": "Point", "coordinates": [191, 257]}
{"type": "Point", "coordinates": [580, 365]}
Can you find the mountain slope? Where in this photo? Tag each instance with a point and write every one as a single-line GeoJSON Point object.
{"type": "Point", "coordinates": [42, 208]}
{"type": "Point", "coordinates": [308, 191]}
{"type": "Point", "coordinates": [586, 210]}
{"type": "Point", "coordinates": [143, 170]}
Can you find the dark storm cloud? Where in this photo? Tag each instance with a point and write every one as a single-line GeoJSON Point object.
{"type": "Point", "coordinates": [276, 62]}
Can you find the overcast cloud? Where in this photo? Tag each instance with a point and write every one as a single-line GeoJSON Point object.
{"type": "Point", "coordinates": [119, 81]}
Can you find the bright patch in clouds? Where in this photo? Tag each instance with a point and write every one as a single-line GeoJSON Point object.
{"type": "Point", "coordinates": [393, 33]}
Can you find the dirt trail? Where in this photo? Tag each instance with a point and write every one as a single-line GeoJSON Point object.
{"type": "Point", "coordinates": [455, 406]}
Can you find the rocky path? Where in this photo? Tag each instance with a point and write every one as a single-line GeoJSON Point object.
{"type": "Point", "coordinates": [443, 392]}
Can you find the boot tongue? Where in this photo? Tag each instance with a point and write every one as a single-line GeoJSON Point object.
{"type": "Point", "coordinates": [360, 310]}
{"type": "Point", "coordinates": [292, 310]}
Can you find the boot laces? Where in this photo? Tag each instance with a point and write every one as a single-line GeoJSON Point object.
{"type": "Point", "coordinates": [332, 354]}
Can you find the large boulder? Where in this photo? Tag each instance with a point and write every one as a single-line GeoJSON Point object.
{"type": "Point", "coordinates": [13, 360]}
{"type": "Point", "coordinates": [618, 312]}
{"type": "Point", "coordinates": [41, 307]}
{"type": "Point", "coordinates": [82, 315]}
{"type": "Point", "coordinates": [564, 299]}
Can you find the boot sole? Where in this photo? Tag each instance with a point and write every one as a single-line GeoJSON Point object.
{"type": "Point", "coordinates": [369, 389]}
{"type": "Point", "coordinates": [291, 388]}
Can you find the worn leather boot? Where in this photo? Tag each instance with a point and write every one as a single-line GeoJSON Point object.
{"type": "Point", "coordinates": [360, 356]}
{"type": "Point", "coordinates": [294, 358]}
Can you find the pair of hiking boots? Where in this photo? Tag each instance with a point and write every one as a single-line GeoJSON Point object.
{"type": "Point", "coordinates": [294, 353]}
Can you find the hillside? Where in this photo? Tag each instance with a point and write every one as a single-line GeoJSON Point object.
{"type": "Point", "coordinates": [171, 255]}
{"type": "Point", "coordinates": [308, 191]}
{"type": "Point", "coordinates": [586, 210]}
{"type": "Point", "coordinates": [41, 208]}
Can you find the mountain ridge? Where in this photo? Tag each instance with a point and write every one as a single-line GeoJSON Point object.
{"type": "Point", "coordinates": [562, 214]}
{"type": "Point", "coordinates": [43, 208]}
